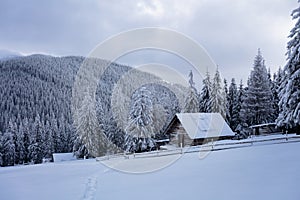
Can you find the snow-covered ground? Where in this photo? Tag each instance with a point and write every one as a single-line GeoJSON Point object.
{"type": "Point", "coordinates": [257, 172]}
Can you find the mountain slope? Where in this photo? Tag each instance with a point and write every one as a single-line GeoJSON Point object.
{"type": "Point", "coordinates": [39, 88]}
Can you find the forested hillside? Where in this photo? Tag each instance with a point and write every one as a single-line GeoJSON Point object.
{"type": "Point", "coordinates": [35, 103]}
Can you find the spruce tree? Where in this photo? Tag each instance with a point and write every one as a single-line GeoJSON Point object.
{"type": "Point", "coordinates": [226, 101]}
{"type": "Point", "coordinates": [191, 103]}
{"type": "Point", "coordinates": [13, 129]}
{"type": "Point", "coordinates": [49, 146]}
{"type": "Point", "coordinates": [57, 143]}
{"type": "Point", "coordinates": [242, 128]}
{"type": "Point", "coordinates": [205, 94]}
{"type": "Point", "coordinates": [233, 105]}
{"type": "Point", "coordinates": [139, 129]}
{"type": "Point", "coordinates": [88, 128]}
{"type": "Point", "coordinates": [257, 103]}
{"type": "Point", "coordinates": [289, 90]}
{"type": "Point", "coordinates": [240, 97]}
{"type": "Point", "coordinates": [275, 83]}
{"type": "Point", "coordinates": [26, 133]}
{"type": "Point", "coordinates": [35, 148]}
{"type": "Point", "coordinates": [7, 149]}
{"type": "Point", "coordinates": [217, 98]}
{"type": "Point", "coordinates": [20, 145]}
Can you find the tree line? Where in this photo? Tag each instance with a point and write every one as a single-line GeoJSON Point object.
{"type": "Point", "coordinates": [240, 106]}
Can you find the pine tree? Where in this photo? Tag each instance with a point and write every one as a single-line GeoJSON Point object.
{"type": "Point", "coordinates": [217, 98]}
{"type": "Point", "coordinates": [7, 149]}
{"type": "Point", "coordinates": [275, 99]}
{"type": "Point", "coordinates": [141, 115]}
{"type": "Point", "coordinates": [37, 142]}
{"type": "Point", "coordinates": [140, 128]}
{"type": "Point", "coordinates": [26, 133]}
{"type": "Point", "coordinates": [289, 91]}
{"type": "Point", "coordinates": [191, 103]}
{"type": "Point", "coordinates": [226, 101]}
{"type": "Point", "coordinates": [13, 129]}
{"type": "Point", "coordinates": [20, 152]}
{"type": "Point", "coordinates": [240, 97]}
{"type": "Point", "coordinates": [275, 83]}
{"type": "Point", "coordinates": [49, 146]}
{"type": "Point", "coordinates": [242, 128]}
{"type": "Point", "coordinates": [88, 128]}
{"type": "Point", "coordinates": [257, 103]}
{"type": "Point", "coordinates": [57, 143]}
{"type": "Point", "coordinates": [233, 105]}
{"type": "Point", "coordinates": [62, 132]}
{"type": "Point", "coordinates": [205, 95]}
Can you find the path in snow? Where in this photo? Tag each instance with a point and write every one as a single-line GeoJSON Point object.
{"type": "Point", "coordinates": [90, 188]}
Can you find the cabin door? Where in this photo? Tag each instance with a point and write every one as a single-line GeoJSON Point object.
{"type": "Point", "coordinates": [181, 140]}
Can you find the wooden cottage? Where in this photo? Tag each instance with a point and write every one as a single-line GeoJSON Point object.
{"type": "Point", "coordinates": [197, 128]}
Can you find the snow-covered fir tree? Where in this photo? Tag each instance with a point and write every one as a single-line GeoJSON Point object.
{"type": "Point", "coordinates": [242, 127]}
{"type": "Point", "coordinates": [139, 129]}
{"type": "Point", "coordinates": [257, 104]}
{"type": "Point", "coordinates": [277, 80]}
{"type": "Point", "coordinates": [233, 105]}
{"type": "Point", "coordinates": [271, 83]}
{"type": "Point", "coordinates": [217, 97]}
{"type": "Point", "coordinates": [205, 94]}
{"type": "Point", "coordinates": [20, 150]}
{"type": "Point", "coordinates": [289, 91]}
{"type": "Point", "coordinates": [57, 143]}
{"type": "Point", "coordinates": [13, 129]}
{"type": "Point", "coordinates": [26, 133]}
{"type": "Point", "coordinates": [88, 129]}
{"type": "Point", "coordinates": [191, 103]}
{"type": "Point", "coordinates": [225, 89]}
{"type": "Point", "coordinates": [274, 84]}
{"type": "Point", "coordinates": [49, 146]}
{"type": "Point", "coordinates": [240, 97]}
{"type": "Point", "coordinates": [141, 114]}
{"type": "Point", "coordinates": [36, 147]}
{"type": "Point", "coordinates": [7, 149]}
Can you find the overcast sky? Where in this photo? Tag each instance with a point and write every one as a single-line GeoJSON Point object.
{"type": "Point", "coordinates": [230, 30]}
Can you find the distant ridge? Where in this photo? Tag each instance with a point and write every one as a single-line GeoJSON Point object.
{"type": "Point", "coordinates": [7, 54]}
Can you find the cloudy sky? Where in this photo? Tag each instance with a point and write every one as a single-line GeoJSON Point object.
{"type": "Point", "coordinates": [230, 30]}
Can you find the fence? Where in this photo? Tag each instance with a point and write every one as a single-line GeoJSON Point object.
{"type": "Point", "coordinates": [213, 146]}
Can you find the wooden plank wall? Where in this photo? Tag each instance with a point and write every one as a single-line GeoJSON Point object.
{"type": "Point", "coordinates": [178, 134]}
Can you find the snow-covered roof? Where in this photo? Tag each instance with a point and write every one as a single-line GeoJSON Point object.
{"type": "Point", "coordinates": [204, 125]}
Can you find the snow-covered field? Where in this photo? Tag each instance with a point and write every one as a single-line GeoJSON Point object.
{"type": "Point", "coordinates": [256, 172]}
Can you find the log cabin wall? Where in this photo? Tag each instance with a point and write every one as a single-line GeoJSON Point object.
{"type": "Point", "coordinates": [177, 134]}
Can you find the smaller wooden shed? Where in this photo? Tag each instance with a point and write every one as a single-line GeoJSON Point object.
{"type": "Point", "coordinates": [265, 129]}
{"type": "Point", "coordinates": [197, 128]}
